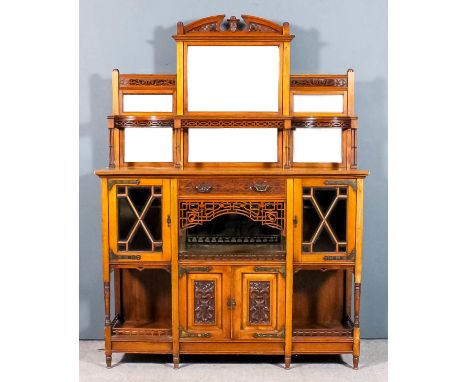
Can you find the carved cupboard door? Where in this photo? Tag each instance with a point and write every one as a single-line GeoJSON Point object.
{"type": "Point", "coordinates": [139, 219]}
{"type": "Point", "coordinates": [259, 293]}
{"type": "Point", "coordinates": [324, 220]}
{"type": "Point", "coordinates": [203, 299]}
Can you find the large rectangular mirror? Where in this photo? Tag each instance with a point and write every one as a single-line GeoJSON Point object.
{"type": "Point", "coordinates": [317, 145]}
{"type": "Point", "coordinates": [148, 144]}
{"type": "Point", "coordinates": [233, 78]}
{"type": "Point", "coordinates": [232, 145]}
{"type": "Point", "coordinates": [145, 103]}
{"type": "Point", "coordinates": [318, 103]}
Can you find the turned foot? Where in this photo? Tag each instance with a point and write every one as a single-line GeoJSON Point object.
{"type": "Point", "coordinates": [108, 360]}
{"type": "Point", "coordinates": [175, 360]}
{"type": "Point", "coordinates": [355, 362]}
{"type": "Point", "coordinates": [287, 362]}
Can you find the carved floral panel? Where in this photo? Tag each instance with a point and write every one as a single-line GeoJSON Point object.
{"type": "Point", "coordinates": [259, 302]}
{"type": "Point", "coordinates": [204, 302]}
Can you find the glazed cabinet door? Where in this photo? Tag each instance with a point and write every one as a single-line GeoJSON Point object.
{"type": "Point", "coordinates": [259, 298]}
{"type": "Point", "coordinates": [139, 219]}
{"type": "Point", "coordinates": [203, 302]}
{"type": "Point", "coordinates": [324, 220]}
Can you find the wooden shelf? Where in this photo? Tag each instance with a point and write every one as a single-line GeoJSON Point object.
{"type": "Point", "coordinates": [156, 330]}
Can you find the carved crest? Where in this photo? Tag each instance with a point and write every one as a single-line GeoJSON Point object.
{"type": "Point", "coordinates": [233, 24]}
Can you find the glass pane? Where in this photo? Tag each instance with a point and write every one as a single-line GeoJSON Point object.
{"type": "Point", "coordinates": [126, 218]}
{"type": "Point", "coordinates": [324, 198]}
{"type": "Point", "coordinates": [318, 103]}
{"type": "Point", "coordinates": [147, 103]}
{"type": "Point", "coordinates": [153, 219]}
{"type": "Point", "coordinates": [148, 144]}
{"type": "Point", "coordinates": [233, 145]}
{"type": "Point", "coordinates": [140, 241]}
{"type": "Point", "coordinates": [324, 242]}
{"type": "Point", "coordinates": [139, 197]}
{"type": "Point", "coordinates": [233, 78]}
{"type": "Point", "coordinates": [317, 145]}
{"type": "Point", "coordinates": [337, 219]}
{"type": "Point", "coordinates": [310, 220]}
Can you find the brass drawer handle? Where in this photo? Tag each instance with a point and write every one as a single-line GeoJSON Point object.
{"type": "Point", "coordinates": [260, 187]}
{"type": "Point", "coordinates": [203, 188]}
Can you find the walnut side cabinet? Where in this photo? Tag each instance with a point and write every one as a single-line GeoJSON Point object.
{"type": "Point", "coordinates": [232, 207]}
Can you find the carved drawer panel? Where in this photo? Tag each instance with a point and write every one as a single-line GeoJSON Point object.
{"type": "Point", "coordinates": [241, 186]}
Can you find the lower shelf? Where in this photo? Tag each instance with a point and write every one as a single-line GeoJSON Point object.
{"type": "Point", "coordinates": [145, 330]}
{"type": "Point", "coordinates": [332, 330]}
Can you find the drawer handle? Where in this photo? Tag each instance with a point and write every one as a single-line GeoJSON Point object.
{"type": "Point", "coordinates": [260, 187]}
{"type": "Point", "coordinates": [203, 188]}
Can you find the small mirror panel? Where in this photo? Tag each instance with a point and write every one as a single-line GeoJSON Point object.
{"type": "Point", "coordinates": [318, 103]}
{"type": "Point", "coordinates": [147, 103]}
{"type": "Point", "coordinates": [233, 145]}
{"type": "Point", "coordinates": [148, 145]}
{"type": "Point", "coordinates": [317, 145]}
{"type": "Point", "coordinates": [233, 78]}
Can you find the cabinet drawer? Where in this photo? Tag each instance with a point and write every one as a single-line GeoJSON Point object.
{"type": "Point", "coordinates": [229, 186]}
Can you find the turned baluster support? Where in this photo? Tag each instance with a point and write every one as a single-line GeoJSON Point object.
{"type": "Point", "coordinates": [356, 339]}
{"type": "Point", "coordinates": [107, 324]}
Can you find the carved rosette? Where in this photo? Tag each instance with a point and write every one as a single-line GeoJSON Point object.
{"type": "Point", "coordinates": [193, 213]}
{"type": "Point", "coordinates": [204, 300]}
{"type": "Point", "coordinates": [259, 302]}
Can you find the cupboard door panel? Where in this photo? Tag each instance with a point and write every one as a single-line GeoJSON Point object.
{"type": "Point", "coordinates": [259, 294]}
{"type": "Point", "coordinates": [203, 303]}
{"type": "Point", "coordinates": [139, 219]}
{"type": "Point", "coordinates": [325, 216]}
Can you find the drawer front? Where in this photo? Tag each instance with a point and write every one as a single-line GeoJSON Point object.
{"type": "Point", "coordinates": [242, 186]}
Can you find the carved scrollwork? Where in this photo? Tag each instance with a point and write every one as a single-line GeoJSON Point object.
{"type": "Point", "coordinates": [339, 82]}
{"type": "Point", "coordinates": [193, 213]}
{"type": "Point", "coordinates": [271, 123]}
{"type": "Point", "coordinates": [147, 82]}
{"type": "Point", "coordinates": [232, 24]}
{"type": "Point", "coordinates": [343, 122]}
{"type": "Point", "coordinates": [121, 123]}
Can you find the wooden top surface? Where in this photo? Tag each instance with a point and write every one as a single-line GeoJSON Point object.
{"type": "Point", "coordinates": [173, 172]}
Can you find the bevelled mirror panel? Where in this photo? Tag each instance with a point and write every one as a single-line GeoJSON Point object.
{"type": "Point", "coordinates": [148, 145]}
{"type": "Point", "coordinates": [233, 145]}
{"type": "Point", "coordinates": [233, 78]}
{"type": "Point", "coordinates": [318, 103]}
{"type": "Point", "coordinates": [147, 103]}
{"type": "Point", "coordinates": [317, 145]}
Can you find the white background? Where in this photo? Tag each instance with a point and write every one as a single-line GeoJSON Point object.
{"type": "Point", "coordinates": [39, 283]}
